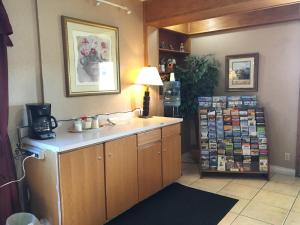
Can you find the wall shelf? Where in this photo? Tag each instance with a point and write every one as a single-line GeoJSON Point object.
{"type": "Point", "coordinates": [173, 51]}
{"type": "Point", "coordinates": [170, 39]}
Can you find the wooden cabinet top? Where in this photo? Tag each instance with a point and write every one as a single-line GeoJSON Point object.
{"type": "Point", "coordinates": [66, 141]}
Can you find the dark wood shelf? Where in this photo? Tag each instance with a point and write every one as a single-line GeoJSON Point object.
{"type": "Point", "coordinates": [173, 51]}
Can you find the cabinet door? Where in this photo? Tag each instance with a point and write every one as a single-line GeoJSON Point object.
{"type": "Point", "coordinates": [82, 186]}
{"type": "Point", "coordinates": [121, 175]}
{"type": "Point", "coordinates": [149, 170]}
{"type": "Point", "coordinates": [171, 156]}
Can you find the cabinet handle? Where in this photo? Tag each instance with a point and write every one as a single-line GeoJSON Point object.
{"type": "Point", "coordinates": [109, 155]}
{"type": "Point", "coordinates": [158, 153]}
{"type": "Point", "coordinates": [99, 158]}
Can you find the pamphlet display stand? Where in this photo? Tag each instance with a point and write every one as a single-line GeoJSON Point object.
{"type": "Point", "coordinates": [232, 136]}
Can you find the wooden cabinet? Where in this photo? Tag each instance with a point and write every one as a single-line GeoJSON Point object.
{"type": "Point", "coordinates": [82, 186]}
{"type": "Point", "coordinates": [149, 163]}
{"type": "Point", "coordinates": [171, 154]}
{"type": "Point", "coordinates": [94, 184]}
{"type": "Point", "coordinates": [121, 175]}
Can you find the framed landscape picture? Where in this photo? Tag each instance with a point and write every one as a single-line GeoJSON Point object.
{"type": "Point", "coordinates": [241, 72]}
{"type": "Point", "coordinates": [91, 55]}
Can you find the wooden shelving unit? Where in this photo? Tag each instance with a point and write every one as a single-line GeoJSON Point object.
{"type": "Point", "coordinates": [174, 51]}
{"type": "Point", "coordinates": [169, 48]}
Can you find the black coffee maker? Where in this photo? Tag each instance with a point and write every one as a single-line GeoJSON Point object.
{"type": "Point", "coordinates": [40, 121]}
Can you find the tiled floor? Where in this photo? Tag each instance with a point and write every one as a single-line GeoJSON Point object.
{"type": "Point", "coordinates": [260, 202]}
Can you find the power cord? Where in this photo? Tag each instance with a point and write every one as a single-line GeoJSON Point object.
{"type": "Point", "coordinates": [24, 172]}
{"type": "Point", "coordinates": [104, 114]}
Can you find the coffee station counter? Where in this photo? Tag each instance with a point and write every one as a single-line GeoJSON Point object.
{"type": "Point", "coordinates": [66, 141]}
{"type": "Point", "coordinates": [105, 171]}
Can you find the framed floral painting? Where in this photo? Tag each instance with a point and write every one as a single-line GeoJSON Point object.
{"type": "Point", "coordinates": [242, 72]}
{"type": "Point", "coordinates": [91, 55]}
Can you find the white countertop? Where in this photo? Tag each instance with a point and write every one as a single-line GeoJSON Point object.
{"type": "Point", "coordinates": [65, 140]}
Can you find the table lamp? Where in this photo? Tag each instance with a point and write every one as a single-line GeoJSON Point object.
{"type": "Point", "coordinates": [148, 76]}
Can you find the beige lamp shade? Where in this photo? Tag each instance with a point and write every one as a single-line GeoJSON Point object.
{"type": "Point", "coordinates": [149, 76]}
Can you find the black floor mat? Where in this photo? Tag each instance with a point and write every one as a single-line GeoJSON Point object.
{"type": "Point", "coordinates": [177, 205]}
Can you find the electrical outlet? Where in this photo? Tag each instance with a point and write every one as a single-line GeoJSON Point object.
{"type": "Point", "coordinates": [287, 156]}
{"type": "Point", "coordinates": [38, 153]}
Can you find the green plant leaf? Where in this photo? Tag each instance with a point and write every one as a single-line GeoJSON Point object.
{"type": "Point", "coordinates": [198, 77]}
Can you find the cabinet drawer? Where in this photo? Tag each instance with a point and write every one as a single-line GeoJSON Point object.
{"type": "Point", "coordinates": [149, 137]}
{"type": "Point", "coordinates": [171, 130]}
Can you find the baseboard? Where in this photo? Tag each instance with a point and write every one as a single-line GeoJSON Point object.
{"type": "Point", "coordinates": [283, 170]}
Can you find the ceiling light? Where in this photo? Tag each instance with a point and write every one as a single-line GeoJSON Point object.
{"type": "Point", "coordinates": [128, 11]}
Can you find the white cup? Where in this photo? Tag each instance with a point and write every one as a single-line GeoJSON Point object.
{"type": "Point", "coordinates": [77, 125]}
{"type": "Point", "coordinates": [95, 123]}
{"type": "Point", "coordinates": [87, 124]}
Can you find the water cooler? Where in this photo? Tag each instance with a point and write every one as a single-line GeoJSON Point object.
{"type": "Point", "coordinates": [172, 100]}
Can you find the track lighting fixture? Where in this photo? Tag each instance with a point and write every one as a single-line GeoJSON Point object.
{"type": "Point", "coordinates": [98, 3]}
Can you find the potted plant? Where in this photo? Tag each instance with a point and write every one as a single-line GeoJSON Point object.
{"type": "Point", "coordinates": [198, 77]}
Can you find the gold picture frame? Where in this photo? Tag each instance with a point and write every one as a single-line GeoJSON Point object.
{"type": "Point", "coordinates": [242, 72]}
{"type": "Point", "coordinates": [91, 57]}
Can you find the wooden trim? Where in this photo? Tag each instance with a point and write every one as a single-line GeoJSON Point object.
{"type": "Point", "coordinates": [145, 36]}
{"type": "Point", "coordinates": [236, 20]}
{"type": "Point", "coordinates": [250, 19]}
{"type": "Point", "coordinates": [162, 13]}
{"type": "Point", "coordinates": [256, 67]}
{"type": "Point", "coordinates": [180, 28]}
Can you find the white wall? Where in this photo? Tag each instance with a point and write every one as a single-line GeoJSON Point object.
{"type": "Point", "coordinates": [131, 54]}
{"type": "Point", "coordinates": [25, 68]}
{"type": "Point", "coordinates": [23, 71]}
{"type": "Point", "coordinates": [279, 72]}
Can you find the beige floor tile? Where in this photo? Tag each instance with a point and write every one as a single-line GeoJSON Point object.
{"type": "Point", "coordinates": [243, 220]}
{"type": "Point", "coordinates": [239, 190]}
{"type": "Point", "coordinates": [275, 199]}
{"type": "Point", "coordinates": [296, 206]}
{"type": "Point", "coordinates": [282, 188]}
{"type": "Point", "coordinates": [255, 183]}
{"type": "Point", "coordinates": [286, 179]}
{"type": "Point", "coordinates": [265, 213]}
{"type": "Point", "coordinates": [210, 184]}
{"type": "Point", "coordinates": [239, 206]}
{"type": "Point", "coordinates": [188, 179]}
{"type": "Point", "coordinates": [228, 219]}
{"type": "Point", "coordinates": [293, 219]}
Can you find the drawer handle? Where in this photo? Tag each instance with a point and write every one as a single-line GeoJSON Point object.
{"type": "Point", "coordinates": [99, 158]}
